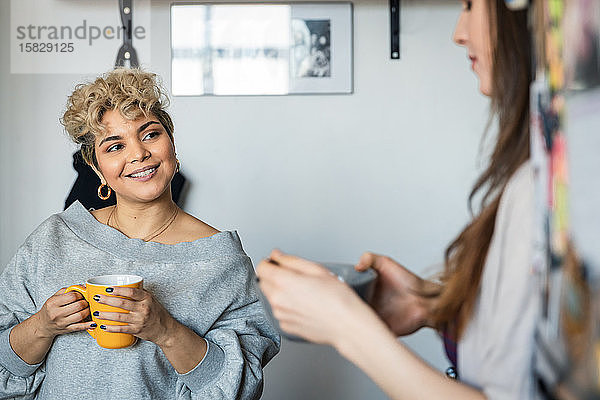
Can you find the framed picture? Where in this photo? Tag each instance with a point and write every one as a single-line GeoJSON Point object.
{"type": "Point", "coordinates": [261, 49]}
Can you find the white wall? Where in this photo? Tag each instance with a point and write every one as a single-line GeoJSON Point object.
{"type": "Point", "coordinates": [582, 128]}
{"type": "Point", "coordinates": [386, 169]}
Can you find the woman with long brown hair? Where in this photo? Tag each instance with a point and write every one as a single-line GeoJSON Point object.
{"type": "Point", "coordinates": [484, 303]}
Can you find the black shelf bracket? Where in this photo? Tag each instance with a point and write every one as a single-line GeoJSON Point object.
{"type": "Point", "coordinates": [395, 29]}
{"type": "Point", "coordinates": [127, 54]}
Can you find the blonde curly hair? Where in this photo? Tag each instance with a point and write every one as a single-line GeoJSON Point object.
{"type": "Point", "coordinates": [135, 93]}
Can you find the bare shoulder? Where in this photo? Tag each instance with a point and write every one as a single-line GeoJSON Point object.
{"type": "Point", "coordinates": [102, 214]}
{"type": "Point", "coordinates": [193, 228]}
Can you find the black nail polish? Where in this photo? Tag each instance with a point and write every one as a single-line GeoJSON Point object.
{"type": "Point", "coordinates": [97, 297]}
{"type": "Point", "coordinates": [109, 290]}
{"type": "Point", "coordinates": [103, 327]}
{"type": "Point", "coordinates": [96, 313]}
{"type": "Point", "coordinates": [93, 325]}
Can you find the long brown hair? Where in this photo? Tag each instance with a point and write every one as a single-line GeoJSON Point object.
{"type": "Point", "coordinates": [511, 76]}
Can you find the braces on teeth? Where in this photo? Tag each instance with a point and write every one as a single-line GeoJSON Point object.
{"type": "Point", "coordinates": [143, 173]}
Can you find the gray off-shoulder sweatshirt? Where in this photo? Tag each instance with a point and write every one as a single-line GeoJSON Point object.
{"type": "Point", "coordinates": [207, 285]}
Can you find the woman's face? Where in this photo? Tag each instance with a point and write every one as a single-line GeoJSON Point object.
{"type": "Point", "coordinates": [136, 158]}
{"type": "Point", "coordinates": [473, 32]}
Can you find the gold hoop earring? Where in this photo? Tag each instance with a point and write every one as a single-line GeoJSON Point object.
{"type": "Point", "coordinates": [108, 193]}
{"type": "Point", "coordinates": [178, 165]}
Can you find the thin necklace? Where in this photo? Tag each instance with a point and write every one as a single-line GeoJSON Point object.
{"type": "Point", "coordinates": [163, 228]}
{"type": "Point", "coordinates": [151, 236]}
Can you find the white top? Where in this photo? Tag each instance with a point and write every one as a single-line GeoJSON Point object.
{"type": "Point", "coordinates": [496, 351]}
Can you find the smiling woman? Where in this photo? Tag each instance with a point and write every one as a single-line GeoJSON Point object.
{"type": "Point", "coordinates": [135, 151]}
{"type": "Point", "coordinates": [132, 92]}
{"type": "Point", "coordinates": [204, 336]}
{"type": "Point", "coordinates": [126, 136]}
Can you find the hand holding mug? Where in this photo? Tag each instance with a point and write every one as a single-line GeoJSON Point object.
{"type": "Point", "coordinates": [104, 286]}
{"type": "Point", "coordinates": [146, 318]}
{"type": "Point", "coordinates": [63, 313]}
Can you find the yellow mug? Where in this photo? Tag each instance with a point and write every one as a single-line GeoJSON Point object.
{"type": "Point", "coordinates": [98, 285]}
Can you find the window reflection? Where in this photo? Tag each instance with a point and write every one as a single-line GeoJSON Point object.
{"type": "Point", "coordinates": [230, 49]}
